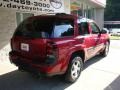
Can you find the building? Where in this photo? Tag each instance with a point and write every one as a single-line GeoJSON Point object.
{"type": "Point", "coordinates": [12, 12]}
{"type": "Point", "coordinates": [93, 9]}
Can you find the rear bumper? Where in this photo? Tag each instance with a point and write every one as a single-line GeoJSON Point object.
{"type": "Point", "coordinates": [28, 65]}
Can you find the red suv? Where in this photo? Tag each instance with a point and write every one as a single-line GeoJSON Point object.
{"type": "Point", "coordinates": [57, 44]}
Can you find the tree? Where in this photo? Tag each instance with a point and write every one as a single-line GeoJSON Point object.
{"type": "Point", "coordinates": [112, 10]}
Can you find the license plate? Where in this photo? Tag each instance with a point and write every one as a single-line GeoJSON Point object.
{"type": "Point", "coordinates": [25, 47]}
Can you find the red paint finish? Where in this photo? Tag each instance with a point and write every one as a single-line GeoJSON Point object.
{"type": "Point", "coordinates": [51, 55]}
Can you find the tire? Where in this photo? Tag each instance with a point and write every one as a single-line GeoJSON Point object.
{"type": "Point", "coordinates": [104, 53]}
{"type": "Point", "coordinates": [74, 69]}
{"type": "Point", "coordinates": [20, 69]}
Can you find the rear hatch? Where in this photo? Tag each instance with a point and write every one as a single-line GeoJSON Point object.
{"type": "Point", "coordinates": [30, 38]}
{"type": "Point", "coordinates": [29, 48]}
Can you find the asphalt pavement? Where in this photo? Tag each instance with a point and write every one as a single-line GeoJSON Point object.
{"type": "Point", "coordinates": [98, 74]}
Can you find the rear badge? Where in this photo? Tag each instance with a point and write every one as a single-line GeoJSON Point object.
{"type": "Point", "coordinates": [25, 47]}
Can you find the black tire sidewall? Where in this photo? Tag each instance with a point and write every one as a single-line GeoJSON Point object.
{"type": "Point", "coordinates": [104, 54]}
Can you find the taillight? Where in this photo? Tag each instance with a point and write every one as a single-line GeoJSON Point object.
{"type": "Point", "coordinates": [51, 52]}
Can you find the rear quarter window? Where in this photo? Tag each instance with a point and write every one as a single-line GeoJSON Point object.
{"type": "Point", "coordinates": [63, 29]}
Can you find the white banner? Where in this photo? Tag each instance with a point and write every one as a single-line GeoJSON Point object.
{"type": "Point", "coordinates": [47, 6]}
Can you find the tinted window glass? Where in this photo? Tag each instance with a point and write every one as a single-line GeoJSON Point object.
{"type": "Point", "coordinates": [95, 29]}
{"type": "Point", "coordinates": [83, 28]}
{"type": "Point", "coordinates": [34, 28]}
{"type": "Point", "coordinates": [45, 28]}
{"type": "Point", "coordinates": [63, 29]}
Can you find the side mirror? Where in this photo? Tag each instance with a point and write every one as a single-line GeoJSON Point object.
{"type": "Point", "coordinates": [104, 31]}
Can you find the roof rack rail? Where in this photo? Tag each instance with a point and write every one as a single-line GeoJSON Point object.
{"type": "Point", "coordinates": [51, 13]}
{"type": "Point", "coordinates": [61, 14]}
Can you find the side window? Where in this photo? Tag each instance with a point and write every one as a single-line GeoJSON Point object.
{"type": "Point", "coordinates": [95, 29]}
{"type": "Point", "coordinates": [83, 28]}
{"type": "Point", "coordinates": [63, 29]}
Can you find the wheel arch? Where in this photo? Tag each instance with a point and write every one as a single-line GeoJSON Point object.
{"type": "Point", "coordinates": [68, 74]}
{"type": "Point", "coordinates": [108, 40]}
{"type": "Point", "coordinates": [80, 53]}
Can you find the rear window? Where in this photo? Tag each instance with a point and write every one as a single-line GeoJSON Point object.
{"type": "Point", "coordinates": [45, 28]}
